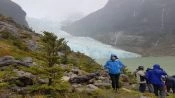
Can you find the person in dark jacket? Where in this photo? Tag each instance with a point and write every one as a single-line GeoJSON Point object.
{"type": "Point", "coordinates": [155, 78]}
{"type": "Point", "coordinates": [170, 84]}
{"type": "Point", "coordinates": [114, 67]}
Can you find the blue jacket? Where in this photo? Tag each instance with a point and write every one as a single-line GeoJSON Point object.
{"type": "Point", "coordinates": [155, 75]}
{"type": "Point", "coordinates": [114, 67]}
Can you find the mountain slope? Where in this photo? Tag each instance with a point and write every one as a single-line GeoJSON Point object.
{"type": "Point", "coordinates": [125, 23]}
{"type": "Point", "coordinates": [18, 41]}
{"type": "Point", "coordinates": [11, 9]}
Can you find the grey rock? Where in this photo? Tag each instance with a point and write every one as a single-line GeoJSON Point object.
{"type": "Point", "coordinates": [20, 73]}
{"type": "Point", "coordinates": [91, 86]}
{"type": "Point", "coordinates": [106, 85]}
{"type": "Point", "coordinates": [13, 10]}
{"type": "Point", "coordinates": [9, 60]}
{"type": "Point", "coordinates": [28, 61]}
{"type": "Point", "coordinates": [76, 85]}
{"type": "Point", "coordinates": [84, 78]}
{"type": "Point", "coordinates": [71, 75]}
{"type": "Point", "coordinates": [101, 78]}
{"type": "Point", "coordinates": [20, 90]}
{"type": "Point", "coordinates": [10, 28]}
{"type": "Point", "coordinates": [32, 45]}
{"type": "Point", "coordinates": [6, 58]}
{"type": "Point", "coordinates": [88, 88]}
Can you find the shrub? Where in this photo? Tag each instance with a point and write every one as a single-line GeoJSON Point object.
{"type": "Point", "coordinates": [6, 35]}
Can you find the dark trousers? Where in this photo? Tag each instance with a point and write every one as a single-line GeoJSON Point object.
{"type": "Point", "coordinates": [159, 90]}
{"type": "Point", "coordinates": [142, 87]}
{"type": "Point", "coordinates": [115, 81]}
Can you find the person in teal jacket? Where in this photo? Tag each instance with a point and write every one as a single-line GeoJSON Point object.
{"type": "Point", "coordinates": [114, 67]}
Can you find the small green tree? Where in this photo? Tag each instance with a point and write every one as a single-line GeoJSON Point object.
{"type": "Point", "coordinates": [50, 69]}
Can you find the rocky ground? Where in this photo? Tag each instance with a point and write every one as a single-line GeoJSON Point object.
{"type": "Point", "coordinates": [80, 80]}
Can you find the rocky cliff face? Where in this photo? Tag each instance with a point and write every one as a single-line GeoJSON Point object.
{"type": "Point", "coordinates": [139, 23]}
{"type": "Point", "coordinates": [11, 9]}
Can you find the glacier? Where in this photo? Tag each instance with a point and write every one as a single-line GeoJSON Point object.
{"type": "Point", "coordinates": [90, 47]}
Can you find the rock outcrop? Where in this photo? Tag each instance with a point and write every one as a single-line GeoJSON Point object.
{"type": "Point", "coordinates": [10, 29]}
{"type": "Point", "coordinates": [10, 9]}
{"type": "Point", "coordinates": [9, 60]}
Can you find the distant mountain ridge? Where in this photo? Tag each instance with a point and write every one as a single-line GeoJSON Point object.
{"type": "Point", "coordinates": [10, 9]}
{"type": "Point", "coordinates": [139, 23]}
{"type": "Point", "coordinates": [129, 16]}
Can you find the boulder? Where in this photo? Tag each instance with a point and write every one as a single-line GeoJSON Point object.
{"type": "Point", "coordinates": [93, 87]}
{"type": "Point", "coordinates": [76, 85]}
{"type": "Point", "coordinates": [71, 75]}
{"type": "Point", "coordinates": [84, 78]}
{"type": "Point", "coordinates": [77, 71]}
{"type": "Point", "coordinates": [21, 81]}
{"type": "Point", "coordinates": [20, 90]}
{"type": "Point", "coordinates": [87, 88]}
{"type": "Point", "coordinates": [20, 73]}
{"type": "Point", "coordinates": [6, 58]}
{"type": "Point", "coordinates": [22, 78]}
{"type": "Point", "coordinates": [28, 61]}
{"type": "Point", "coordinates": [9, 60]}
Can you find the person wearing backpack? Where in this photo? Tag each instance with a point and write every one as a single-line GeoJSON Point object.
{"type": "Point", "coordinates": [114, 68]}
{"type": "Point", "coordinates": [140, 75]}
{"type": "Point", "coordinates": [155, 78]}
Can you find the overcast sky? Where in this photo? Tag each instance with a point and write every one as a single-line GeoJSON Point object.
{"type": "Point", "coordinates": [59, 9]}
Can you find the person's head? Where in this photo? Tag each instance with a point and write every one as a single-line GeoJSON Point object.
{"type": "Point", "coordinates": [156, 66]}
{"type": "Point", "coordinates": [140, 68]}
{"type": "Point", "coordinates": [114, 57]}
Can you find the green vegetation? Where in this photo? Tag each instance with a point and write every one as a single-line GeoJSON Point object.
{"type": "Point", "coordinates": [51, 55]}
{"type": "Point", "coordinates": [14, 40]}
{"type": "Point", "coordinates": [50, 70]}
{"type": "Point", "coordinates": [83, 62]}
{"type": "Point", "coordinates": [5, 75]}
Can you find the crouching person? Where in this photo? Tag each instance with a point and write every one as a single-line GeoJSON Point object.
{"type": "Point", "coordinates": [155, 77]}
{"type": "Point", "coordinates": [140, 75]}
{"type": "Point", "coordinates": [170, 84]}
{"type": "Point", "coordinates": [114, 67]}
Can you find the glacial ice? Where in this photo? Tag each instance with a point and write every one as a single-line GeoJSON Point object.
{"type": "Point", "coordinates": [86, 45]}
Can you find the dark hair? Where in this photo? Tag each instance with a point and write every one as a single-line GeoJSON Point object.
{"type": "Point", "coordinates": [140, 68]}
{"type": "Point", "coordinates": [114, 56]}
